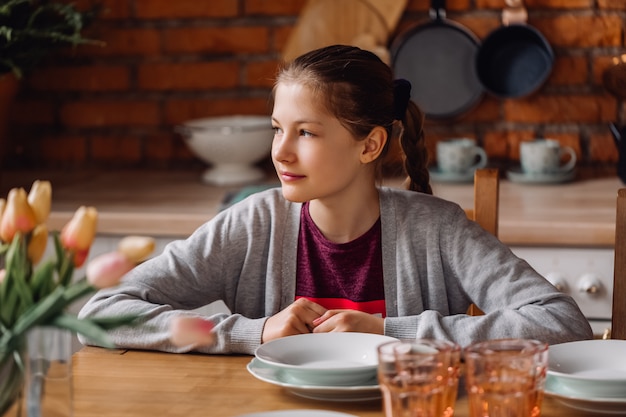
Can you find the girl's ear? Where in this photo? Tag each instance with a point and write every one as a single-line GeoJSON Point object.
{"type": "Point", "coordinates": [373, 145]}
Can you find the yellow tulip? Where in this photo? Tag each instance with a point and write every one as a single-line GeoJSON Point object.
{"type": "Point", "coordinates": [40, 199]}
{"type": "Point", "coordinates": [18, 216]}
{"type": "Point", "coordinates": [136, 248]}
{"type": "Point", "coordinates": [79, 232]}
{"type": "Point", "coordinates": [37, 244]}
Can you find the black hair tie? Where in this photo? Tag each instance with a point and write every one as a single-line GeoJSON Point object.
{"type": "Point", "coordinates": [401, 97]}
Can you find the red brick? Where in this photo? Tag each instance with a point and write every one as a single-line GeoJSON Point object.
{"type": "Point", "coordinates": [32, 112]}
{"type": "Point", "coordinates": [424, 5]}
{"type": "Point", "coordinates": [280, 36]}
{"type": "Point", "coordinates": [274, 7]}
{"type": "Point", "coordinates": [569, 70]}
{"type": "Point", "coordinates": [234, 40]}
{"type": "Point", "coordinates": [127, 42]}
{"type": "Point", "coordinates": [119, 150]}
{"type": "Point", "coordinates": [174, 9]}
{"type": "Point", "coordinates": [561, 109]}
{"type": "Point", "coordinates": [612, 4]}
{"type": "Point", "coordinates": [63, 149]}
{"type": "Point", "coordinates": [602, 148]}
{"type": "Point", "coordinates": [188, 76]}
{"type": "Point", "coordinates": [261, 74]}
{"type": "Point", "coordinates": [180, 111]}
{"type": "Point", "coordinates": [575, 30]}
{"type": "Point", "coordinates": [558, 4]}
{"type": "Point", "coordinates": [110, 113]}
{"type": "Point", "coordinates": [600, 65]}
{"type": "Point", "coordinates": [505, 144]}
{"type": "Point", "coordinates": [89, 79]}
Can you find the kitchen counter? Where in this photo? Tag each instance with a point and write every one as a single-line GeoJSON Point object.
{"type": "Point", "coordinates": [174, 204]}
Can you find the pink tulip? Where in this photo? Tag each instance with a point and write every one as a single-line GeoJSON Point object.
{"type": "Point", "coordinates": [191, 332]}
{"type": "Point", "coordinates": [3, 274]}
{"type": "Point", "coordinates": [40, 199]}
{"type": "Point", "coordinates": [108, 269]}
{"type": "Point", "coordinates": [37, 244]}
{"type": "Point", "coordinates": [18, 216]}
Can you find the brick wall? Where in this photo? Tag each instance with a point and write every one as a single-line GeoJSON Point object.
{"type": "Point", "coordinates": [166, 62]}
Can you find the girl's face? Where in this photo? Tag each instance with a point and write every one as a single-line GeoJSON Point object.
{"type": "Point", "coordinates": [314, 155]}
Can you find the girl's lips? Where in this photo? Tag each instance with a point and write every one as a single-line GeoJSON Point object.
{"type": "Point", "coordinates": [289, 176]}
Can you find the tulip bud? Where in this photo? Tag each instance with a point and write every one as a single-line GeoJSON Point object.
{"type": "Point", "coordinates": [106, 270]}
{"type": "Point", "coordinates": [3, 274]}
{"type": "Point", "coordinates": [18, 216]}
{"type": "Point", "coordinates": [40, 199]}
{"type": "Point", "coordinates": [79, 232]}
{"type": "Point", "coordinates": [191, 332]}
{"type": "Point", "coordinates": [37, 244]}
{"type": "Point", "coordinates": [136, 248]}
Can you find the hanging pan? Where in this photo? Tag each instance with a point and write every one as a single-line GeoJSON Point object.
{"type": "Point", "coordinates": [438, 58]}
{"type": "Point", "coordinates": [515, 59]}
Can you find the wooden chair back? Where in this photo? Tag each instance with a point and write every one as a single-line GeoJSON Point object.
{"type": "Point", "coordinates": [618, 317]}
{"type": "Point", "coordinates": [485, 211]}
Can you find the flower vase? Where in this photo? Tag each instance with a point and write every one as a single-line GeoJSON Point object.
{"type": "Point", "coordinates": [11, 384]}
{"type": "Point", "coordinates": [48, 384]}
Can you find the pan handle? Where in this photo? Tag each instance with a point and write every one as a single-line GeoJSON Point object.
{"type": "Point", "coordinates": [437, 9]}
{"type": "Point", "coordinates": [514, 13]}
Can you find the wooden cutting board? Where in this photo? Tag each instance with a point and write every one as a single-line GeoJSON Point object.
{"type": "Point", "coordinates": [363, 23]}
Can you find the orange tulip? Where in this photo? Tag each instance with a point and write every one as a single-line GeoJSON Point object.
{"type": "Point", "coordinates": [40, 199]}
{"type": "Point", "coordinates": [18, 216]}
{"type": "Point", "coordinates": [106, 270]}
{"type": "Point", "coordinates": [3, 204]}
{"type": "Point", "coordinates": [191, 332]}
{"type": "Point", "coordinates": [79, 232]}
{"type": "Point", "coordinates": [37, 244]}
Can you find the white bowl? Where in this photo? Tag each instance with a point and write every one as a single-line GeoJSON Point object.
{"type": "Point", "coordinates": [591, 368]}
{"type": "Point", "coordinates": [333, 359]}
{"type": "Point", "coordinates": [231, 145]}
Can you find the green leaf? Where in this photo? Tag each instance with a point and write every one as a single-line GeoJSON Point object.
{"type": "Point", "coordinates": [85, 327]}
{"type": "Point", "coordinates": [42, 278]}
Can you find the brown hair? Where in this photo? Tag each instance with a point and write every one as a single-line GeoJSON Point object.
{"type": "Point", "coordinates": [358, 88]}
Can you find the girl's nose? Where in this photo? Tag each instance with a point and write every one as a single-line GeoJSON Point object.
{"type": "Point", "coordinates": [281, 147]}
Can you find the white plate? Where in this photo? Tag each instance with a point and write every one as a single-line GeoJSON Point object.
{"type": "Point", "coordinates": [325, 358]}
{"type": "Point", "coordinates": [592, 368]}
{"type": "Point", "coordinates": [298, 413]}
{"type": "Point", "coordinates": [441, 176]}
{"type": "Point", "coordinates": [275, 376]}
{"type": "Point", "coordinates": [516, 175]}
{"type": "Point", "coordinates": [614, 406]}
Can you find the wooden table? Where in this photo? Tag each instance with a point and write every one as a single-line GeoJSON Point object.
{"type": "Point", "coordinates": [120, 383]}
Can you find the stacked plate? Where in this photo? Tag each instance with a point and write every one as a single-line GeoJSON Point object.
{"type": "Point", "coordinates": [589, 375]}
{"type": "Point", "coordinates": [329, 366]}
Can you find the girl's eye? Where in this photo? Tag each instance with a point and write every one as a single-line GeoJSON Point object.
{"type": "Point", "coordinates": [277, 130]}
{"type": "Point", "coordinates": [306, 133]}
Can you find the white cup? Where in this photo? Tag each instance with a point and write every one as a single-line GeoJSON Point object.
{"type": "Point", "coordinates": [544, 156]}
{"type": "Point", "coordinates": [460, 156]}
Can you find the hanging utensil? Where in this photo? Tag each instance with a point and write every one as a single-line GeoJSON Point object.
{"type": "Point", "coordinates": [438, 58]}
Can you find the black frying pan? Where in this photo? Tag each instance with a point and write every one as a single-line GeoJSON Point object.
{"type": "Point", "coordinates": [514, 60]}
{"type": "Point", "coordinates": [438, 58]}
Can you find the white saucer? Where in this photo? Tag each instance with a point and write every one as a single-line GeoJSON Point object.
{"type": "Point", "coordinates": [276, 376]}
{"type": "Point", "coordinates": [441, 176]}
{"type": "Point", "coordinates": [614, 406]}
{"type": "Point", "coordinates": [298, 413]}
{"type": "Point", "coordinates": [516, 175]}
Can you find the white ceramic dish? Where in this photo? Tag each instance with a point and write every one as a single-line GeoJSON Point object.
{"type": "Point", "coordinates": [609, 406]}
{"type": "Point", "coordinates": [516, 175]}
{"type": "Point", "coordinates": [298, 413]}
{"type": "Point", "coordinates": [325, 358]}
{"type": "Point", "coordinates": [592, 368]}
{"type": "Point", "coordinates": [231, 144]}
{"type": "Point", "coordinates": [365, 392]}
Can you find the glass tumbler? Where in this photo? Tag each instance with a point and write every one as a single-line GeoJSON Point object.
{"type": "Point", "coordinates": [419, 378]}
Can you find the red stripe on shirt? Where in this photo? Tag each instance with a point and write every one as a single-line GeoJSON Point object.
{"type": "Point", "coordinates": [372, 307]}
